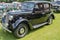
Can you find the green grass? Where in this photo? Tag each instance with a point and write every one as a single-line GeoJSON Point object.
{"type": "Point", "coordinates": [47, 32]}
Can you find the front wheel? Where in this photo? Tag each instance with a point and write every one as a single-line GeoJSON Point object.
{"type": "Point", "coordinates": [50, 20]}
{"type": "Point", "coordinates": [21, 30]}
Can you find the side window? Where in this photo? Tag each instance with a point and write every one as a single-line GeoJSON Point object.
{"type": "Point", "coordinates": [38, 8]}
{"type": "Point", "coordinates": [35, 10]}
{"type": "Point", "coordinates": [46, 7]}
{"type": "Point", "coordinates": [50, 5]}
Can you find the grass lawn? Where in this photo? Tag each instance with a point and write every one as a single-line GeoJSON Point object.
{"type": "Point", "coordinates": [47, 32]}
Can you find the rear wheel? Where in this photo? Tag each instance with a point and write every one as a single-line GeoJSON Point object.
{"type": "Point", "coordinates": [21, 30]}
{"type": "Point", "coordinates": [50, 20]}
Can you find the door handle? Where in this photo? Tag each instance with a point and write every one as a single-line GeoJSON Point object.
{"type": "Point", "coordinates": [33, 13]}
{"type": "Point", "coordinates": [43, 13]}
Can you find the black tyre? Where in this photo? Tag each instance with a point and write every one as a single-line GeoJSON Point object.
{"type": "Point", "coordinates": [50, 20]}
{"type": "Point", "coordinates": [21, 30]}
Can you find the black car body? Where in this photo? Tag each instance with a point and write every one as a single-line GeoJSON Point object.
{"type": "Point", "coordinates": [33, 14]}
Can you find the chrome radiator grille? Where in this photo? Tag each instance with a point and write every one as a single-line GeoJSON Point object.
{"type": "Point", "coordinates": [5, 21]}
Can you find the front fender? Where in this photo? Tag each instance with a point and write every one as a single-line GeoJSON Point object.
{"type": "Point", "coordinates": [14, 25]}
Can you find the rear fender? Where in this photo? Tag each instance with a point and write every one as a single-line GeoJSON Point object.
{"type": "Point", "coordinates": [51, 14]}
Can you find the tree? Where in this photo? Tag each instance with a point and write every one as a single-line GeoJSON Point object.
{"type": "Point", "coordinates": [14, 0]}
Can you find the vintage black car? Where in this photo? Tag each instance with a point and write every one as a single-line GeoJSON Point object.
{"type": "Point", "coordinates": [33, 14]}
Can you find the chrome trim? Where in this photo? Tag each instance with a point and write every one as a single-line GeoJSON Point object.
{"type": "Point", "coordinates": [5, 24]}
{"type": "Point", "coordinates": [39, 25]}
{"type": "Point", "coordinates": [6, 29]}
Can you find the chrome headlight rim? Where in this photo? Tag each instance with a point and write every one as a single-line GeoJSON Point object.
{"type": "Point", "coordinates": [4, 14]}
{"type": "Point", "coordinates": [10, 17]}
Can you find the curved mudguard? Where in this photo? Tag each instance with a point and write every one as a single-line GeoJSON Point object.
{"type": "Point", "coordinates": [51, 14]}
{"type": "Point", "coordinates": [14, 25]}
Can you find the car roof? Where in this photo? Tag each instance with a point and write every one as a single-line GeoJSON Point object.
{"type": "Point", "coordinates": [38, 1]}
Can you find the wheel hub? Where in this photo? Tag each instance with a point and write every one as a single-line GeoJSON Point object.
{"type": "Point", "coordinates": [22, 30]}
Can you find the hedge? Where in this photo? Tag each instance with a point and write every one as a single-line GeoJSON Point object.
{"type": "Point", "coordinates": [14, 0]}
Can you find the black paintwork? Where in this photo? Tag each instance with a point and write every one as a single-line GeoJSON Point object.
{"type": "Point", "coordinates": [33, 17]}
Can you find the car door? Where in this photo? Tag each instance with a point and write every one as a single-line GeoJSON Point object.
{"type": "Point", "coordinates": [46, 11]}
{"type": "Point", "coordinates": [37, 16]}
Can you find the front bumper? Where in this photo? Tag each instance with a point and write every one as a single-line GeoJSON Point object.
{"type": "Point", "coordinates": [5, 25]}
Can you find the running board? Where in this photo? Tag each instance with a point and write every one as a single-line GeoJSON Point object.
{"type": "Point", "coordinates": [39, 25]}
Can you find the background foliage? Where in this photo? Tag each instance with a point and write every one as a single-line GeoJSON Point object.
{"type": "Point", "coordinates": [14, 0]}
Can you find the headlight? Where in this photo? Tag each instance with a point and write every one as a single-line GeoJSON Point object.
{"type": "Point", "coordinates": [10, 17]}
{"type": "Point", "coordinates": [4, 14]}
